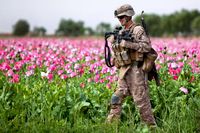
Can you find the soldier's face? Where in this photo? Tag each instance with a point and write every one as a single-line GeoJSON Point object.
{"type": "Point", "coordinates": [122, 20]}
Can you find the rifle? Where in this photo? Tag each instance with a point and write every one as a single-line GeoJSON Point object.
{"type": "Point", "coordinates": [107, 53]}
{"type": "Point", "coordinates": [153, 72]}
{"type": "Point", "coordinates": [125, 35]}
{"type": "Point", "coordinates": [115, 32]}
{"type": "Point", "coordinates": [144, 24]}
{"type": "Point", "coordinates": [118, 37]}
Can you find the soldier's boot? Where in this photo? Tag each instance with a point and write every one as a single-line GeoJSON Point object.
{"type": "Point", "coordinates": [114, 115]}
{"type": "Point", "coordinates": [149, 120]}
{"type": "Point", "coordinates": [116, 102]}
{"type": "Point", "coordinates": [147, 115]}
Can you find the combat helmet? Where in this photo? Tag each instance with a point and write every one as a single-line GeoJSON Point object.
{"type": "Point", "coordinates": [126, 10]}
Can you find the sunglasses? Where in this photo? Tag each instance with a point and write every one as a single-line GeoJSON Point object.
{"type": "Point", "coordinates": [121, 17]}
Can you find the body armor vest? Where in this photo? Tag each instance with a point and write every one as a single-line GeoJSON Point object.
{"type": "Point", "coordinates": [125, 56]}
{"type": "Point", "coordinates": [122, 55]}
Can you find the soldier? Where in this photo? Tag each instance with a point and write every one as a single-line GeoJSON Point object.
{"type": "Point", "coordinates": [128, 58]}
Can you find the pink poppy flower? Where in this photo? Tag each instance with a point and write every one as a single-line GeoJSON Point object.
{"type": "Point", "coordinates": [184, 90]}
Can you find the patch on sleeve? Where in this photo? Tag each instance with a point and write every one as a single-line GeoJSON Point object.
{"type": "Point", "coordinates": [138, 31]}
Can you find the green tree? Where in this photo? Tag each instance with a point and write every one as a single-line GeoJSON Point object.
{"type": "Point", "coordinates": [153, 23]}
{"type": "Point", "coordinates": [167, 25]}
{"type": "Point", "coordinates": [178, 23]}
{"type": "Point", "coordinates": [196, 26]}
{"type": "Point", "coordinates": [103, 27]}
{"type": "Point", "coordinates": [70, 28]}
{"type": "Point", "coordinates": [89, 31]}
{"type": "Point", "coordinates": [182, 21]}
{"type": "Point", "coordinates": [21, 28]}
{"type": "Point", "coordinates": [39, 31]}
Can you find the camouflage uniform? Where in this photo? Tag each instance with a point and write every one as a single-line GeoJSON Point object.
{"type": "Point", "coordinates": [128, 57]}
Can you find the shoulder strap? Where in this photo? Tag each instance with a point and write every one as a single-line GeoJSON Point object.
{"type": "Point", "coordinates": [133, 27]}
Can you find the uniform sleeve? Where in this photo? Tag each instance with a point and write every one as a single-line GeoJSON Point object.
{"type": "Point", "coordinates": [141, 41]}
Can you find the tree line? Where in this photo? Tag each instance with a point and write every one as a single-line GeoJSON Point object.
{"type": "Point", "coordinates": [181, 23]}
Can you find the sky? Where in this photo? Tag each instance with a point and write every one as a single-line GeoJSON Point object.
{"type": "Point", "coordinates": [48, 13]}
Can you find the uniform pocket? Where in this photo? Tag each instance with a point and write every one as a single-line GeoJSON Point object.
{"type": "Point", "coordinates": [139, 76]}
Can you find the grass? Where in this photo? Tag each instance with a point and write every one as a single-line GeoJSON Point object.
{"type": "Point", "coordinates": [50, 108]}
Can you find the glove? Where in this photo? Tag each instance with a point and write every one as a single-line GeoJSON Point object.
{"type": "Point", "coordinates": [111, 39]}
{"type": "Point", "coordinates": [123, 44]}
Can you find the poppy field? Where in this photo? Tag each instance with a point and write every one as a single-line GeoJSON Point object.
{"type": "Point", "coordinates": [63, 85]}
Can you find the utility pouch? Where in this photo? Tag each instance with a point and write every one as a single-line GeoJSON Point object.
{"type": "Point", "coordinates": [149, 59]}
{"type": "Point", "coordinates": [116, 63]}
{"type": "Point", "coordinates": [126, 57]}
{"type": "Point", "coordinates": [119, 59]}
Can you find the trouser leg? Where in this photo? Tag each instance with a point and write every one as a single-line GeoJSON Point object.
{"type": "Point", "coordinates": [117, 100]}
{"type": "Point", "coordinates": [139, 92]}
{"type": "Point", "coordinates": [143, 103]}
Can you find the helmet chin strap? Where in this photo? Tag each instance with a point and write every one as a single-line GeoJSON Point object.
{"type": "Point", "coordinates": [127, 19]}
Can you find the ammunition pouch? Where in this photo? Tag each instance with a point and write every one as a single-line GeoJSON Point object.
{"type": "Point", "coordinates": [127, 57]}
{"type": "Point", "coordinates": [122, 58]}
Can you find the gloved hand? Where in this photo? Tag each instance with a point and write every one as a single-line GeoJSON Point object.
{"type": "Point", "coordinates": [111, 39]}
{"type": "Point", "coordinates": [131, 45]}
{"type": "Point", "coordinates": [123, 44]}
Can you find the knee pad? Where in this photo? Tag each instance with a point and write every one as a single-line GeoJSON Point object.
{"type": "Point", "coordinates": [115, 99]}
